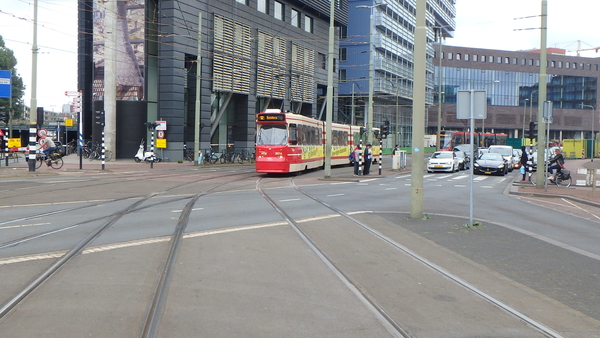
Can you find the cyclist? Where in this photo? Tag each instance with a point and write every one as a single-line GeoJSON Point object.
{"type": "Point", "coordinates": [46, 144]}
{"type": "Point", "coordinates": [556, 162]}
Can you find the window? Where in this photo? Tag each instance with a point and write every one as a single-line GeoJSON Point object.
{"type": "Point", "coordinates": [322, 60]}
{"type": "Point", "coordinates": [474, 57]}
{"type": "Point", "coordinates": [278, 10]}
{"type": "Point", "coordinates": [344, 32]}
{"type": "Point", "coordinates": [245, 2]}
{"type": "Point", "coordinates": [295, 19]}
{"type": "Point", "coordinates": [449, 56]}
{"type": "Point", "coordinates": [343, 54]}
{"type": "Point", "coordinates": [507, 60]}
{"type": "Point", "coordinates": [342, 76]}
{"type": "Point", "coordinates": [308, 24]}
{"type": "Point", "coordinates": [491, 59]}
{"type": "Point", "coordinates": [531, 62]}
{"type": "Point", "coordinates": [483, 58]}
{"type": "Point", "coordinates": [263, 6]}
{"type": "Point", "coordinates": [466, 57]}
{"type": "Point", "coordinates": [458, 56]}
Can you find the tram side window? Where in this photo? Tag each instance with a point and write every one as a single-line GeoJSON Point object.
{"type": "Point", "coordinates": [293, 134]}
{"type": "Point", "coordinates": [301, 135]}
{"type": "Point", "coordinates": [272, 135]}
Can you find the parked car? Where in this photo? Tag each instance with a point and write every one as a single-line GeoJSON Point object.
{"type": "Point", "coordinates": [466, 148]}
{"type": "Point", "coordinates": [491, 164]}
{"type": "Point", "coordinates": [464, 161]}
{"type": "Point", "coordinates": [443, 161]}
{"type": "Point", "coordinates": [505, 151]}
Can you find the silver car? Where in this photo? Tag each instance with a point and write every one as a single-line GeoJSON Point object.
{"type": "Point", "coordinates": [443, 161]}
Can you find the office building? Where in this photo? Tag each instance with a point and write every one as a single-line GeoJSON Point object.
{"type": "Point", "coordinates": [381, 34]}
{"type": "Point", "coordinates": [254, 54]}
{"type": "Point", "coordinates": [511, 82]}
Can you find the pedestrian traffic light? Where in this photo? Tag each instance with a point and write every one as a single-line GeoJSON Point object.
{"type": "Point", "coordinates": [532, 132]}
{"type": "Point", "coordinates": [99, 117]}
{"type": "Point", "coordinates": [4, 117]}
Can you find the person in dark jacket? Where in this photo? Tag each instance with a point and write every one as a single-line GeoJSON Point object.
{"type": "Point", "coordinates": [524, 159]}
{"type": "Point", "coordinates": [556, 162]}
{"type": "Point", "coordinates": [368, 159]}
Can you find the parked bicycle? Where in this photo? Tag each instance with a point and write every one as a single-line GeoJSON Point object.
{"type": "Point", "coordinates": [210, 157]}
{"type": "Point", "coordinates": [188, 154]}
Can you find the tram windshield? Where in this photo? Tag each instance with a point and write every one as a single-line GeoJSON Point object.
{"type": "Point", "coordinates": [272, 135]}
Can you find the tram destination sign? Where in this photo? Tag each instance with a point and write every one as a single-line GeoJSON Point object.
{"type": "Point", "coordinates": [271, 117]}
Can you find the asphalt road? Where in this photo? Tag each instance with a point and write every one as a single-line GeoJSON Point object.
{"type": "Point", "coordinates": [243, 271]}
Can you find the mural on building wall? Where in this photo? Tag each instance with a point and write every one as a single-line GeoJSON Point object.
{"type": "Point", "coordinates": [130, 49]}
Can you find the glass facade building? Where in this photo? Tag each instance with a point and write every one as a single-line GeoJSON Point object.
{"type": "Point", "coordinates": [511, 82]}
{"type": "Point", "coordinates": [381, 34]}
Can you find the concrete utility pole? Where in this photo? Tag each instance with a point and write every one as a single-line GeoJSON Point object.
{"type": "Point", "coordinates": [420, 81]}
{"type": "Point", "coordinates": [542, 142]}
{"type": "Point", "coordinates": [110, 75]}
{"type": "Point", "coordinates": [197, 125]}
{"type": "Point", "coordinates": [329, 115]}
{"type": "Point", "coordinates": [33, 104]}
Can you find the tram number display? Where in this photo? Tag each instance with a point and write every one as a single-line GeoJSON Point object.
{"type": "Point", "coordinates": [271, 117]}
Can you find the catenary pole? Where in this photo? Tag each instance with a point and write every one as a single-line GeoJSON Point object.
{"type": "Point", "coordinates": [329, 114]}
{"type": "Point", "coordinates": [542, 142]}
{"type": "Point", "coordinates": [198, 93]}
{"type": "Point", "coordinates": [33, 105]}
{"type": "Point", "coordinates": [419, 78]}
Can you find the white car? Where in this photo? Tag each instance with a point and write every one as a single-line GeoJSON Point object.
{"type": "Point", "coordinates": [443, 161]}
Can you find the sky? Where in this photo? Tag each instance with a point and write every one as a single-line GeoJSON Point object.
{"type": "Point", "coordinates": [491, 24]}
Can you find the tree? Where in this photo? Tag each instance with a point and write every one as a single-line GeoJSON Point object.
{"type": "Point", "coordinates": [9, 62]}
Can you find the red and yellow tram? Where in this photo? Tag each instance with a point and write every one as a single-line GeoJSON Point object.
{"type": "Point", "coordinates": [288, 142]}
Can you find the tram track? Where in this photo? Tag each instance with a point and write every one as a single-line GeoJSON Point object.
{"type": "Point", "coordinates": [394, 326]}
{"type": "Point", "coordinates": [115, 216]}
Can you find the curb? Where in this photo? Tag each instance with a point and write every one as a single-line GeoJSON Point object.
{"type": "Point", "coordinates": [514, 191]}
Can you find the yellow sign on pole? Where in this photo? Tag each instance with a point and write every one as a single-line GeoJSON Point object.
{"type": "Point", "coordinates": [161, 143]}
{"type": "Point", "coordinates": [68, 122]}
{"type": "Point", "coordinates": [14, 142]}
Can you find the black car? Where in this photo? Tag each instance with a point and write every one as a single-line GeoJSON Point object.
{"type": "Point", "coordinates": [491, 164]}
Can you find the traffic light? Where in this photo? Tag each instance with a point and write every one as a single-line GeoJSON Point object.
{"type": "Point", "coordinates": [4, 117]}
{"type": "Point", "coordinates": [385, 129]}
{"type": "Point", "coordinates": [99, 117]}
{"type": "Point", "coordinates": [40, 116]}
{"type": "Point", "coordinates": [532, 132]}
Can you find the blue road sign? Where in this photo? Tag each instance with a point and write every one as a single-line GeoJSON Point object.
{"type": "Point", "coordinates": [5, 83]}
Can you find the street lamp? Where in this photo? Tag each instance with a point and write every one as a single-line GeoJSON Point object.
{"type": "Point", "coordinates": [524, 112]}
{"type": "Point", "coordinates": [531, 104]}
{"type": "Point", "coordinates": [371, 68]}
{"type": "Point", "coordinates": [593, 122]}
